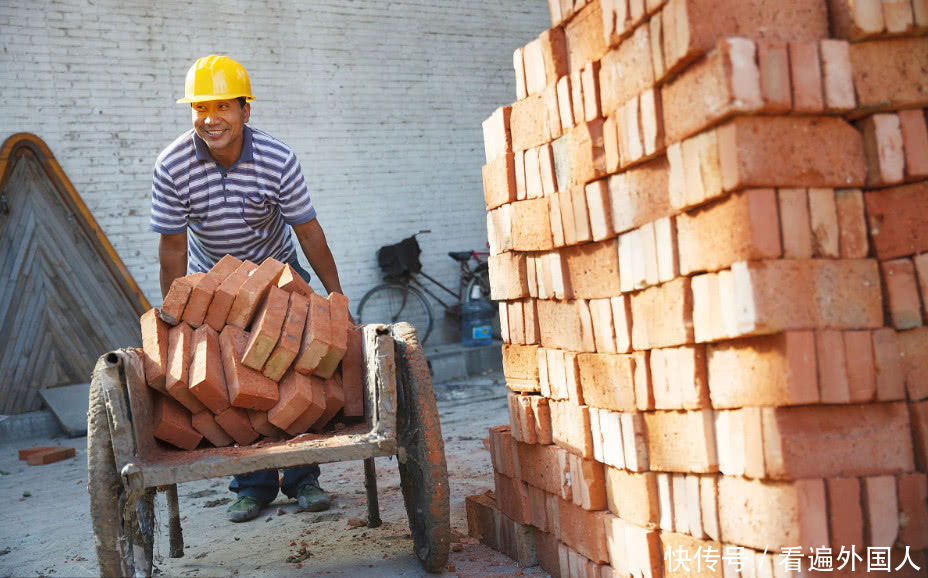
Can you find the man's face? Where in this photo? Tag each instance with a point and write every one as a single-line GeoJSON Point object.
{"type": "Point", "coordinates": [221, 125]}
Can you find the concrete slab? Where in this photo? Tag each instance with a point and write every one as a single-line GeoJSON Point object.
{"type": "Point", "coordinates": [69, 404]}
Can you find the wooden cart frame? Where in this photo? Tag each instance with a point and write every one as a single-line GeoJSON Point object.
{"type": "Point", "coordinates": [126, 466]}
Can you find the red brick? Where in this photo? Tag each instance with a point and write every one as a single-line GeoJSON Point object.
{"type": "Point", "coordinates": [607, 380]}
{"type": "Point", "coordinates": [499, 181]}
{"type": "Point", "coordinates": [846, 522]}
{"type": "Point", "coordinates": [503, 452]}
{"type": "Point", "coordinates": [832, 369]}
{"type": "Point", "coordinates": [829, 441]}
{"type": "Point", "coordinates": [534, 64]}
{"type": "Point", "coordinates": [172, 309]}
{"type": "Point", "coordinates": [225, 295]}
{"type": "Point", "coordinates": [512, 498]}
{"type": "Point", "coordinates": [915, 143]}
{"type": "Point", "coordinates": [576, 97]}
{"type": "Point", "coordinates": [518, 64]}
{"type": "Point", "coordinates": [334, 402]}
{"type": "Point", "coordinates": [639, 195]}
{"type": "Point", "coordinates": [919, 416]}
{"type": "Point", "coordinates": [736, 228]}
{"type": "Point", "coordinates": [317, 336]}
{"type": "Point", "coordinates": [888, 73]}
{"type": "Point", "coordinates": [597, 200]}
{"type": "Point", "coordinates": [709, 506]}
{"type": "Point", "coordinates": [517, 325]}
{"type": "Point", "coordinates": [291, 282]}
{"type": "Point", "coordinates": [481, 518]}
{"type": "Point", "coordinates": [633, 497]}
{"type": "Point", "coordinates": [584, 531]}
{"type": "Point", "coordinates": [856, 20]}
{"type": "Point", "coordinates": [353, 371]}
{"type": "Point", "coordinates": [780, 368]}
{"type": "Point", "coordinates": [776, 88]}
{"type": "Point", "coordinates": [547, 544]}
{"type": "Point", "coordinates": [291, 334]}
{"type": "Point", "coordinates": [202, 291]}
{"type": "Point", "coordinates": [861, 368]}
{"type": "Point", "coordinates": [775, 515]}
{"type": "Point", "coordinates": [690, 559]}
{"type": "Point", "coordinates": [531, 225]}
{"type": "Point", "coordinates": [626, 71]}
{"type": "Point", "coordinates": [678, 377]}
{"type": "Point", "coordinates": [172, 423]}
{"type": "Point", "coordinates": [790, 151]}
{"type": "Point", "coordinates": [897, 14]}
{"type": "Point", "coordinates": [296, 396]}
{"type": "Point", "coordinates": [837, 78]}
{"type": "Point", "coordinates": [663, 315]}
{"type": "Point", "coordinates": [520, 365]}
{"type": "Point", "coordinates": [253, 291]}
{"type": "Point", "coordinates": [652, 121]}
{"type": "Point", "coordinates": [266, 328]}
{"type": "Point", "coordinates": [583, 33]}
{"type": "Point", "coordinates": [890, 379]}
{"type": "Point", "coordinates": [681, 441]}
{"type": "Point", "coordinates": [548, 173]}
{"type": "Point", "coordinates": [542, 415]}
{"type": "Point", "coordinates": [882, 138]}
{"type": "Point", "coordinates": [727, 81]}
{"type": "Point", "coordinates": [533, 186]}
{"type": "Point", "coordinates": [565, 108]}
{"type": "Point", "coordinates": [24, 454]}
{"type": "Point", "coordinates": [881, 511]}
{"type": "Point", "coordinates": [497, 139]}
{"type": "Point", "coordinates": [180, 351]}
{"type": "Point", "coordinates": [611, 144]}
{"type": "Point", "coordinates": [806, 75]}
{"type": "Point", "coordinates": [913, 348]}
{"type": "Point", "coordinates": [247, 388]}
{"type": "Point", "coordinates": [528, 123]}
{"type": "Point", "coordinates": [589, 77]}
{"type": "Point", "coordinates": [782, 295]}
{"type": "Point", "coordinates": [313, 411]}
{"type": "Point", "coordinates": [823, 216]}
{"type": "Point", "coordinates": [339, 325]}
{"type": "Point", "coordinates": [260, 424]}
{"type": "Point", "coordinates": [235, 422]}
{"type": "Point", "coordinates": [851, 223]}
{"type": "Point", "coordinates": [603, 329]}
{"type": "Point", "coordinates": [49, 456]}
{"type": "Point", "coordinates": [898, 220]}
{"type": "Point", "coordinates": [702, 173]}
{"type": "Point", "coordinates": [902, 294]}
{"type": "Point", "coordinates": [588, 483]}
{"type": "Point", "coordinates": [610, 429]}
{"type": "Point", "coordinates": [206, 374]}
{"type": "Point", "coordinates": [154, 348]}
{"type": "Point", "coordinates": [522, 406]}
{"type": "Point", "coordinates": [205, 423]}
{"type": "Point", "coordinates": [631, 144]}
{"type": "Point", "coordinates": [582, 232]}
{"type": "Point", "coordinates": [587, 156]}
{"type": "Point", "coordinates": [740, 442]}
{"type": "Point", "coordinates": [913, 505]}
{"type": "Point", "coordinates": [539, 465]}
{"type": "Point", "coordinates": [508, 276]}
{"type": "Point", "coordinates": [538, 508]}
{"type": "Point", "coordinates": [795, 231]}
{"type": "Point", "coordinates": [559, 322]}
{"type": "Point", "coordinates": [570, 428]}
{"type": "Point", "coordinates": [593, 269]}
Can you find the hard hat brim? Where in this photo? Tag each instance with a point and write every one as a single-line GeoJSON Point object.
{"type": "Point", "coordinates": [208, 97]}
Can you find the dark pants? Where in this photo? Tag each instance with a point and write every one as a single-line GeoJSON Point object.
{"type": "Point", "coordinates": [263, 486]}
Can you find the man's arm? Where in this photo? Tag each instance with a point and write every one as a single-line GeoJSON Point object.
{"type": "Point", "coordinates": [172, 254]}
{"type": "Point", "coordinates": [316, 249]}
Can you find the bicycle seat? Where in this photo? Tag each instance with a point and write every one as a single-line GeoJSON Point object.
{"type": "Point", "coordinates": [460, 255]}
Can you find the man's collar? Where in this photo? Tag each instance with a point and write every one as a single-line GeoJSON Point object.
{"type": "Point", "coordinates": [248, 148]}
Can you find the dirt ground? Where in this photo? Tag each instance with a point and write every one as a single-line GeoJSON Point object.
{"type": "Point", "coordinates": [46, 528]}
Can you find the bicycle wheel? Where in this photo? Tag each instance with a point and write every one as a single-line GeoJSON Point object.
{"type": "Point", "coordinates": [478, 286]}
{"type": "Point", "coordinates": [392, 303]}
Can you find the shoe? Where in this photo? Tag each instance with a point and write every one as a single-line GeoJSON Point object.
{"type": "Point", "coordinates": [244, 509]}
{"type": "Point", "coordinates": [312, 498]}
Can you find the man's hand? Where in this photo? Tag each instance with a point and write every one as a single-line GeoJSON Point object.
{"type": "Point", "coordinates": [312, 240]}
{"type": "Point", "coordinates": [172, 254]}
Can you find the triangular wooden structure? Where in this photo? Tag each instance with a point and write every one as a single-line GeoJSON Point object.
{"type": "Point", "coordinates": [65, 295]}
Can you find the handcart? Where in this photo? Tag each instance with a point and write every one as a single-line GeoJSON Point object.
{"type": "Point", "coordinates": [126, 466]}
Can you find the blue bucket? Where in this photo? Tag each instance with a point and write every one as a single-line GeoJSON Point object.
{"type": "Point", "coordinates": [477, 322]}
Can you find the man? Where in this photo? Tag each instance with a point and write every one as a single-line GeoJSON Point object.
{"type": "Point", "coordinates": [223, 187]}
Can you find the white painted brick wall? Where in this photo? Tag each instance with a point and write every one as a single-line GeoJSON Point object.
{"type": "Point", "coordinates": [382, 102]}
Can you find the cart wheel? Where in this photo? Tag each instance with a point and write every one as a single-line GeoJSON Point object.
{"type": "Point", "coordinates": [421, 453]}
{"type": "Point", "coordinates": [112, 508]}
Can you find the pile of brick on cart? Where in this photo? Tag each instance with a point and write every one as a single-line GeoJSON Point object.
{"type": "Point", "coordinates": [248, 350]}
{"type": "Point", "coordinates": [708, 222]}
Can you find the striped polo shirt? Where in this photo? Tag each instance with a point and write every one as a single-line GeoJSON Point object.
{"type": "Point", "coordinates": [243, 211]}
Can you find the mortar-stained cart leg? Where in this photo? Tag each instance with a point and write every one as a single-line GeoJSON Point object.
{"type": "Point", "coordinates": [421, 453]}
{"type": "Point", "coordinates": [123, 520]}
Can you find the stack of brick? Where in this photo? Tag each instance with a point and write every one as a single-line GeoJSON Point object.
{"type": "Point", "coordinates": [246, 351]}
{"type": "Point", "coordinates": [708, 222]}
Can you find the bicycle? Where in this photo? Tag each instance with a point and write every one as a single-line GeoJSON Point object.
{"type": "Point", "coordinates": [400, 297]}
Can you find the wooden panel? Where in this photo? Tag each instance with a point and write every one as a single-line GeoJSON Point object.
{"type": "Point", "coordinates": [61, 306]}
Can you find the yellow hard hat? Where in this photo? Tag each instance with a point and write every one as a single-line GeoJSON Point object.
{"type": "Point", "coordinates": [216, 78]}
